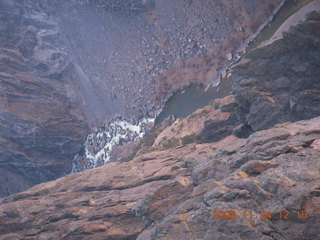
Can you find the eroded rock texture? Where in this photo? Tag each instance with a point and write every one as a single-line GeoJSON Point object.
{"type": "Point", "coordinates": [171, 193]}
{"type": "Point", "coordinates": [187, 168]}
{"type": "Point", "coordinates": [280, 82]}
{"type": "Point", "coordinates": [41, 124]}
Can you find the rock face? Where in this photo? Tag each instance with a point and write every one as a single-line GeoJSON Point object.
{"type": "Point", "coordinates": [213, 175]}
{"type": "Point", "coordinates": [171, 193]}
{"type": "Point", "coordinates": [280, 82]}
{"type": "Point", "coordinates": [194, 173]}
{"type": "Point", "coordinates": [209, 124]}
{"type": "Point", "coordinates": [193, 178]}
{"type": "Point", "coordinates": [41, 124]}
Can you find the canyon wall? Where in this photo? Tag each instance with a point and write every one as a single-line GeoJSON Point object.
{"type": "Point", "coordinates": [69, 66]}
{"type": "Point", "coordinates": [41, 122]}
{"type": "Point", "coordinates": [253, 164]}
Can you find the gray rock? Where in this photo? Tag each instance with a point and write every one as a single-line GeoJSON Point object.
{"type": "Point", "coordinates": [278, 82]}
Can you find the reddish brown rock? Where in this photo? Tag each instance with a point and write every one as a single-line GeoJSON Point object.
{"type": "Point", "coordinates": [170, 189]}
{"type": "Point", "coordinates": [170, 194]}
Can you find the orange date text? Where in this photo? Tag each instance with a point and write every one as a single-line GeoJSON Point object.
{"type": "Point", "coordinates": [263, 215]}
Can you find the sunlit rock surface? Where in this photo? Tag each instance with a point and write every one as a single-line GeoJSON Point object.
{"type": "Point", "coordinates": [171, 193]}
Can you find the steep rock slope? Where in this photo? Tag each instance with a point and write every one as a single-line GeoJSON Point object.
{"type": "Point", "coordinates": [280, 82]}
{"type": "Point", "coordinates": [171, 193]}
{"type": "Point", "coordinates": [203, 163]}
{"type": "Point", "coordinates": [41, 124]}
{"type": "Point", "coordinates": [65, 65]}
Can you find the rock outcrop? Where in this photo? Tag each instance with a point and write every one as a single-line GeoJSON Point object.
{"type": "Point", "coordinates": [280, 82]}
{"type": "Point", "coordinates": [41, 123]}
{"type": "Point", "coordinates": [172, 193]}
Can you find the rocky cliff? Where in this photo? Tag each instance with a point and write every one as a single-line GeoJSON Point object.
{"type": "Point", "coordinates": [170, 194]}
{"type": "Point", "coordinates": [242, 167]}
{"type": "Point", "coordinates": [41, 124]}
{"type": "Point", "coordinates": [69, 66]}
{"type": "Point", "coordinates": [279, 82]}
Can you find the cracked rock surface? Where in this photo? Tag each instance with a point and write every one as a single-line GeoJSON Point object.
{"type": "Point", "coordinates": [279, 82]}
{"type": "Point", "coordinates": [171, 193]}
